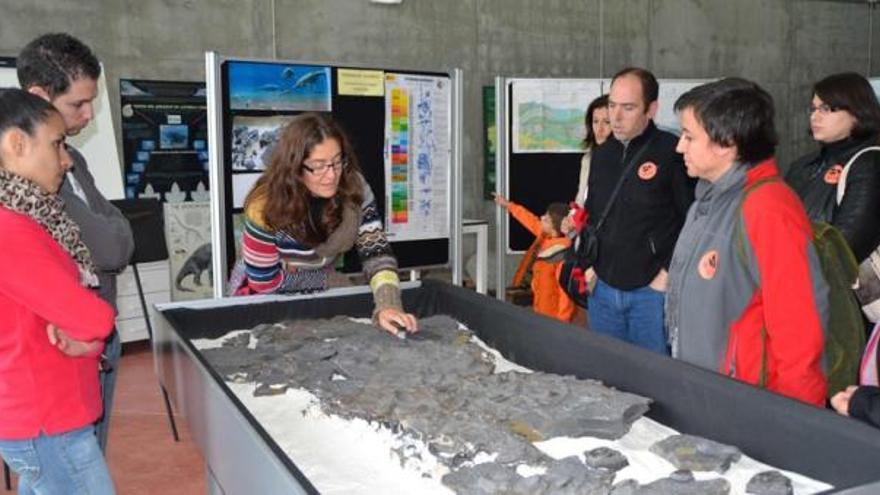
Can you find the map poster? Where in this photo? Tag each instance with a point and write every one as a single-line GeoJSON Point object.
{"type": "Point", "coordinates": [418, 156]}
{"type": "Point", "coordinates": [548, 114]}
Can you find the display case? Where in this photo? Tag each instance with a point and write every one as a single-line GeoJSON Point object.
{"type": "Point", "coordinates": [242, 458]}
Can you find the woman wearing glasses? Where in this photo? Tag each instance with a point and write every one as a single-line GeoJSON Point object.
{"type": "Point", "coordinates": [309, 207]}
{"type": "Point", "coordinates": [844, 119]}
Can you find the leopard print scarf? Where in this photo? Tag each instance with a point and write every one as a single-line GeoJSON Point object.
{"type": "Point", "coordinates": [25, 197]}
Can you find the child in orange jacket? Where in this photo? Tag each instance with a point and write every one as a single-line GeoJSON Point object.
{"type": "Point", "coordinates": [549, 298]}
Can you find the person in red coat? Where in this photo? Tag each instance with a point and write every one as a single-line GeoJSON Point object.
{"type": "Point", "coordinates": [52, 327]}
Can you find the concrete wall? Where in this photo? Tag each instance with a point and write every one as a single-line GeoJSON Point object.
{"type": "Point", "coordinates": [784, 45]}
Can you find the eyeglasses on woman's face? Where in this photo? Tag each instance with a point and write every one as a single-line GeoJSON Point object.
{"type": "Point", "coordinates": [320, 169]}
{"type": "Point", "coordinates": [823, 109]}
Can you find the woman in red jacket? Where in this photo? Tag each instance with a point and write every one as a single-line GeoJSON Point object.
{"type": "Point", "coordinates": [52, 326]}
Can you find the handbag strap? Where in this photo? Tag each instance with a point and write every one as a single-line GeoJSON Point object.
{"type": "Point", "coordinates": [841, 184]}
{"type": "Point", "coordinates": [629, 166]}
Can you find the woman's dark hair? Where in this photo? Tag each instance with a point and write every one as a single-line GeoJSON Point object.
{"type": "Point", "coordinates": [590, 139]}
{"type": "Point", "coordinates": [281, 186]}
{"type": "Point", "coordinates": [734, 112]}
{"type": "Point", "coordinates": [53, 61]}
{"type": "Point", "coordinates": [22, 110]}
{"type": "Point", "coordinates": [852, 92]}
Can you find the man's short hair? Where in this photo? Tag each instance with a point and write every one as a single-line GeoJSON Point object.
{"type": "Point", "coordinates": [650, 88]}
{"type": "Point", "coordinates": [734, 112]}
{"type": "Point", "coordinates": [53, 61]}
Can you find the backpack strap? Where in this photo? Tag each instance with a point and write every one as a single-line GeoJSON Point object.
{"type": "Point", "coordinates": [739, 235]}
{"type": "Point", "coordinates": [740, 239]}
{"type": "Point", "coordinates": [841, 184]}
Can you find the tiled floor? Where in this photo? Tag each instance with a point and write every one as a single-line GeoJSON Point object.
{"type": "Point", "coordinates": [141, 452]}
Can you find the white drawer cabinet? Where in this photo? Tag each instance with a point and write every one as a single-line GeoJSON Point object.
{"type": "Point", "coordinates": [156, 285]}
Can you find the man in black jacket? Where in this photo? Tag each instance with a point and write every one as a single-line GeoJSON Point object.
{"type": "Point", "coordinates": [639, 233]}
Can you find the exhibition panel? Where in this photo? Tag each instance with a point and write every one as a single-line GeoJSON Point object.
{"type": "Point", "coordinates": [405, 130]}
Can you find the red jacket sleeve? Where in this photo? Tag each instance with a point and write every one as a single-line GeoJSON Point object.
{"type": "Point", "coordinates": [37, 275]}
{"type": "Point", "coordinates": [781, 240]}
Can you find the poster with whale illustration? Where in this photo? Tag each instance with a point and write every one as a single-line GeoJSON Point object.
{"type": "Point", "coordinates": [279, 87]}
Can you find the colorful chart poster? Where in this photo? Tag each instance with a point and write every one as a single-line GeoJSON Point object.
{"type": "Point", "coordinates": [548, 114]}
{"type": "Point", "coordinates": [418, 156]}
{"type": "Point", "coordinates": [268, 86]}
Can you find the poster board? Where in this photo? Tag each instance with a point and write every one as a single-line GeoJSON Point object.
{"type": "Point", "coordinates": [400, 123]}
{"type": "Point", "coordinates": [875, 84]}
{"type": "Point", "coordinates": [97, 142]}
{"type": "Point", "coordinates": [188, 235]}
{"type": "Point", "coordinates": [544, 129]}
{"type": "Point", "coordinates": [489, 141]}
{"type": "Point", "coordinates": [538, 174]}
{"type": "Point", "coordinates": [670, 91]}
{"type": "Point", "coordinates": [164, 139]}
{"type": "Point", "coordinates": [8, 77]}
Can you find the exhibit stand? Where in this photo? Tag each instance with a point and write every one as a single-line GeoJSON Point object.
{"type": "Point", "coordinates": [405, 127]}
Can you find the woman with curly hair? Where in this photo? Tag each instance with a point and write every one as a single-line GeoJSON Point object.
{"type": "Point", "coordinates": [310, 206]}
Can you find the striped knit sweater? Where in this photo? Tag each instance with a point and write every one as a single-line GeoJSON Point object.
{"type": "Point", "coordinates": [275, 262]}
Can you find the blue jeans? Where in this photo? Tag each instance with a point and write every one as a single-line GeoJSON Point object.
{"type": "Point", "coordinates": [634, 316]}
{"type": "Point", "coordinates": [65, 463]}
{"type": "Point", "coordinates": [107, 378]}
